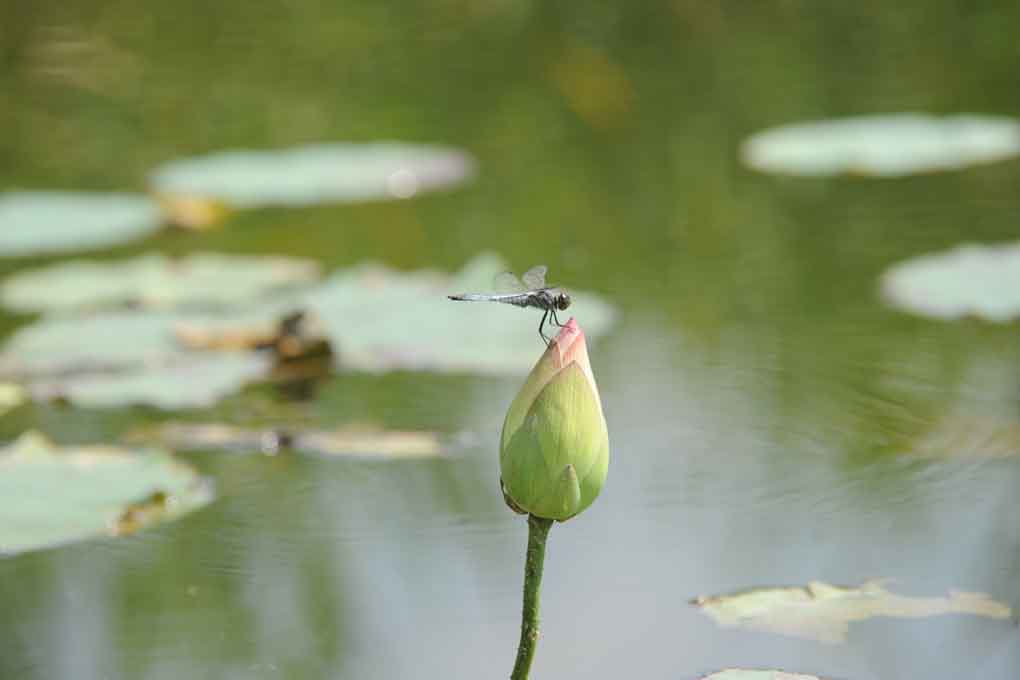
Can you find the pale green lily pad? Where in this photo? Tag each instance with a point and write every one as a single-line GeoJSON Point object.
{"type": "Point", "coordinates": [823, 612]}
{"type": "Point", "coordinates": [11, 397]}
{"type": "Point", "coordinates": [324, 173]}
{"type": "Point", "coordinates": [186, 380]}
{"type": "Point", "coordinates": [378, 319]}
{"type": "Point", "coordinates": [980, 281]}
{"type": "Point", "coordinates": [52, 495]}
{"type": "Point", "coordinates": [112, 341]}
{"type": "Point", "coordinates": [38, 222]}
{"type": "Point", "coordinates": [884, 145]}
{"type": "Point", "coordinates": [154, 280]}
{"type": "Point", "coordinates": [370, 443]}
{"type": "Point", "coordinates": [122, 358]}
{"type": "Point", "coordinates": [750, 674]}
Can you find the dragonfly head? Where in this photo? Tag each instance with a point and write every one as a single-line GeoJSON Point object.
{"type": "Point", "coordinates": [562, 301]}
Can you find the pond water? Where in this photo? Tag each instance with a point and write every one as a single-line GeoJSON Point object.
{"type": "Point", "coordinates": [771, 422]}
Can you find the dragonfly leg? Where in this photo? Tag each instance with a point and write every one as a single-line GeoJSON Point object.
{"type": "Point", "coordinates": [541, 325]}
{"type": "Point", "coordinates": [555, 319]}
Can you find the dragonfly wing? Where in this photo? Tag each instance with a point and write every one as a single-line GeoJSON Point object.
{"type": "Point", "coordinates": [534, 278]}
{"type": "Point", "coordinates": [506, 282]}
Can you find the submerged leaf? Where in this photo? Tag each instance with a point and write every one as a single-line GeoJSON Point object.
{"type": "Point", "coordinates": [351, 441]}
{"type": "Point", "coordinates": [884, 145]}
{"type": "Point", "coordinates": [193, 214]}
{"type": "Point", "coordinates": [823, 612]}
{"type": "Point", "coordinates": [52, 495]}
{"type": "Point", "coordinates": [313, 174]}
{"type": "Point", "coordinates": [154, 280]}
{"type": "Point", "coordinates": [35, 222]}
{"type": "Point", "coordinates": [970, 280]}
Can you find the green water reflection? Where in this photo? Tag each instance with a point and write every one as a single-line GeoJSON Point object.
{"type": "Point", "coordinates": [756, 391]}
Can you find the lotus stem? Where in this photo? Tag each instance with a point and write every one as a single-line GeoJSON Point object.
{"type": "Point", "coordinates": [538, 531]}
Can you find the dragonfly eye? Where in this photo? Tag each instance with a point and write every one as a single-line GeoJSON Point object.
{"type": "Point", "coordinates": [562, 301]}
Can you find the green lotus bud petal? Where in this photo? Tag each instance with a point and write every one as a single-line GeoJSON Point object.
{"type": "Point", "coordinates": [554, 453]}
{"type": "Point", "coordinates": [568, 492]}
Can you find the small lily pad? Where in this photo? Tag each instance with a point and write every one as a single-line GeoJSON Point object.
{"type": "Point", "coordinates": [980, 281]}
{"type": "Point", "coordinates": [749, 674]}
{"type": "Point", "coordinates": [885, 145]}
{"type": "Point", "coordinates": [358, 442]}
{"type": "Point", "coordinates": [11, 397]}
{"type": "Point", "coordinates": [325, 173]}
{"type": "Point", "coordinates": [52, 495]}
{"type": "Point", "coordinates": [199, 280]}
{"type": "Point", "coordinates": [823, 612]}
{"type": "Point", "coordinates": [39, 222]}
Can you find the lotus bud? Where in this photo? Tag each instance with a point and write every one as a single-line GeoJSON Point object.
{"type": "Point", "coordinates": [554, 451]}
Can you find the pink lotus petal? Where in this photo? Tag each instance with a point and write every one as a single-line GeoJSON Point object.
{"type": "Point", "coordinates": [572, 348]}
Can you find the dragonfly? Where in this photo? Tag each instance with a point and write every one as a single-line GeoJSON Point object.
{"type": "Point", "coordinates": [528, 291]}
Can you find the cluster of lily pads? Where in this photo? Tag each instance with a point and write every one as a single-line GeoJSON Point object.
{"type": "Point", "coordinates": [197, 192]}
{"type": "Point", "coordinates": [182, 333]}
{"type": "Point", "coordinates": [971, 280]}
{"type": "Point", "coordinates": [968, 281]}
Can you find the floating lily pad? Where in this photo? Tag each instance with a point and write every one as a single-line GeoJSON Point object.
{"type": "Point", "coordinates": [823, 612]}
{"type": "Point", "coordinates": [122, 358]}
{"type": "Point", "coordinates": [53, 495]}
{"type": "Point", "coordinates": [11, 397]}
{"type": "Point", "coordinates": [201, 280]}
{"type": "Point", "coordinates": [748, 674]}
{"type": "Point", "coordinates": [185, 380]}
{"type": "Point", "coordinates": [980, 281]}
{"type": "Point", "coordinates": [37, 222]}
{"type": "Point", "coordinates": [378, 319]}
{"type": "Point", "coordinates": [112, 341]}
{"type": "Point", "coordinates": [313, 174]}
{"type": "Point", "coordinates": [360, 442]}
{"type": "Point", "coordinates": [887, 145]}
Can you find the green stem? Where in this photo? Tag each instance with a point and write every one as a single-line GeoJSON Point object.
{"type": "Point", "coordinates": [538, 531]}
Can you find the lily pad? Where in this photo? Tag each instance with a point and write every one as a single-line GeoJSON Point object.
{"type": "Point", "coordinates": [122, 358]}
{"type": "Point", "coordinates": [359, 442]}
{"type": "Point", "coordinates": [38, 222]}
{"type": "Point", "coordinates": [199, 280]}
{"type": "Point", "coordinates": [186, 380]}
{"type": "Point", "coordinates": [980, 281]}
{"type": "Point", "coordinates": [884, 145]}
{"type": "Point", "coordinates": [378, 319]}
{"type": "Point", "coordinates": [823, 612]}
{"type": "Point", "coordinates": [11, 397]}
{"type": "Point", "coordinates": [52, 495]}
{"type": "Point", "coordinates": [749, 674]}
{"type": "Point", "coordinates": [324, 173]}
